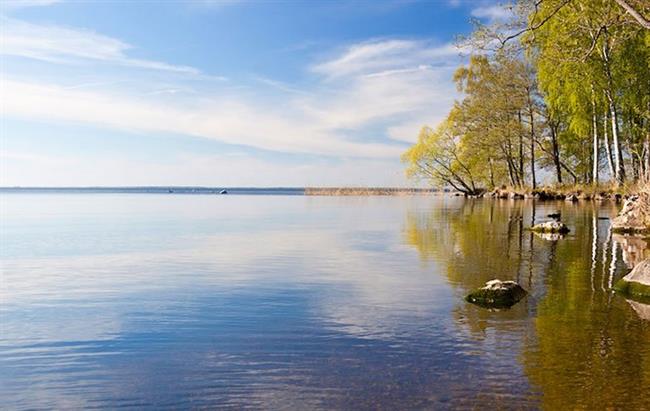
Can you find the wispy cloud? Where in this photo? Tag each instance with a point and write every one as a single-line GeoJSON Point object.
{"type": "Point", "coordinates": [216, 4]}
{"type": "Point", "coordinates": [66, 45]}
{"type": "Point", "coordinates": [376, 56]}
{"type": "Point", "coordinates": [231, 121]}
{"type": "Point", "coordinates": [360, 108]}
{"type": "Point", "coordinates": [493, 12]}
{"type": "Point", "coordinates": [8, 5]}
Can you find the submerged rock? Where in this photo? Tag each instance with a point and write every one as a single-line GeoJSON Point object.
{"type": "Point", "coordinates": [550, 227]}
{"type": "Point", "coordinates": [634, 217]}
{"type": "Point", "coordinates": [637, 282]}
{"type": "Point", "coordinates": [497, 294]}
{"type": "Point", "coordinates": [550, 236]}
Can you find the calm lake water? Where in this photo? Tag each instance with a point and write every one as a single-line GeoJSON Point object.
{"type": "Point", "coordinates": [167, 301]}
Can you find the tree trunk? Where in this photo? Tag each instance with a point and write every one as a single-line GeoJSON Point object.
{"type": "Point", "coordinates": [532, 142]}
{"type": "Point", "coordinates": [556, 153]}
{"type": "Point", "coordinates": [491, 173]}
{"type": "Point", "coordinates": [521, 149]}
{"type": "Point", "coordinates": [646, 159]}
{"type": "Point", "coordinates": [608, 148]}
{"type": "Point", "coordinates": [619, 167]}
{"type": "Point", "coordinates": [594, 124]}
{"type": "Point", "coordinates": [618, 155]}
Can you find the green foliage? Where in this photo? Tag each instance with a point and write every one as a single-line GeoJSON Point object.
{"type": "Point", "coordinates": [581, 86]}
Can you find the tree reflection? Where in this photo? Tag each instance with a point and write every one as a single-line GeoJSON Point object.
{"type": "Point", "coordinates": [579, 344]}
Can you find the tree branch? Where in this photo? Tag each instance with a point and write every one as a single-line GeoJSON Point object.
{"type": "Point", "coordinates": [645, 23]}
{"type": "Point", "coordinates": [534, 27]}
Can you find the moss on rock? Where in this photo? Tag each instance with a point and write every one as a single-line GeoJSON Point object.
{"type": "Point", "coordinates": [550, 227]}
{"type": "Point", "coordinates": [632, 288]}
{"type": "Point", "coordinates": [637, 282]}
{"type": "Point", "coordinates": [497, 294]}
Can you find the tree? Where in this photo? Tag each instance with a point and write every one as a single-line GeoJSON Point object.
{"type": "Point", "coordinates": [440, 157]}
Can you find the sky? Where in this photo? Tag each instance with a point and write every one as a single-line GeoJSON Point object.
{"type": "Point", "coordinates": [223, 93]}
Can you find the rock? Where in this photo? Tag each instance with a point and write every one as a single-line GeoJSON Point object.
{"type": "Point", "coordinates": [497, 294]}
{"type": "Point", "coordinates": [551, 227]}
{"type": "Point", "coordinates": [556, 215]}
{"type": "Point", "coordinates": [634, 217]}
{"type": "Point", "coordinates": [637, 282]}
{"type": "Point", "coordinates": [550, 236]}
{"type": "Point", "coordinates": [641, 309]}
{"type": "Point", "coordinates": [571, 197]}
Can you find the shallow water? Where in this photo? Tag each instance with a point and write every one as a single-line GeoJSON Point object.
{"type": "Point", "coordinates": [293, 302]}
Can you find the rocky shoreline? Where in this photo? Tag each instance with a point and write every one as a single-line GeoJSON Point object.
{"type": "Point", "coordinates": [551, 194]}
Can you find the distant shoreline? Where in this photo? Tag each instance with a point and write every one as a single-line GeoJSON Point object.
{"type": "Point", "coordinates": [312, 191]}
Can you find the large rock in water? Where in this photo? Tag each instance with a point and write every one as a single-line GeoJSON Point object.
{"type": "Point", "coordinates": [635, 215]}
{"type": "Point", "coordinates": [551, 227]}
{"type": "Point", "coordinates": [497, 294]}
{"type": "Point", "coordinates": [637, 282]}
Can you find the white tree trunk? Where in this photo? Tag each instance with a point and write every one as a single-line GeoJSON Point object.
{"type": "Point", "coordinates": [618, 157]}
{"type": "Point", "coordinates": [594, 124]}
{"type": "Point", "coordinates": [608, 148]}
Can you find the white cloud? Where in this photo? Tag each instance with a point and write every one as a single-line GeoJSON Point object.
{"type": "Point", "coordinates": [216, 4]}
{"type": "Point", "coordinates": [19, 4]}
{"type": "Point", "coordinates": [226, 121]}
{"type": "Point", "coordinates": [493, 12]}
{"type": "Point", "coordinates": [65, 45]}
{"type": "Point", "coordinates": [378, 56]}
{"type": "Point", "coordinates": [366, 102]}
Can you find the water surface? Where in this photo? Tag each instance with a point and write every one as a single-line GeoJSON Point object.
{"type": "Point", "coordinates": [290, 302]}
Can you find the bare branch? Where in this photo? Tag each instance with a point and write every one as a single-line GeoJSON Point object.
{"type": "Point", "coordinates": [645, 23]}
{"type": "Point", "coordinates": [533, 27]}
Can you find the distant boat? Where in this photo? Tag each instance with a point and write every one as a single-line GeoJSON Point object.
{"type": "Point", "coordinates": [223, 192]}
{"type": "Point", "coordinates": [170, 191]}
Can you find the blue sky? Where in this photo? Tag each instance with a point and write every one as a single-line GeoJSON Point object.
{"type": "Point", "coordinates": [223, 93]}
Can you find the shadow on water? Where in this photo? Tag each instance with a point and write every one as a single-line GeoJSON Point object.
{"type": "Point", "coordinates": [581, 345]}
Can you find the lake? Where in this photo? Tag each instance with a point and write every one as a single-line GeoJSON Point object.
{"type": "Point", "coordinates": [172, 301]}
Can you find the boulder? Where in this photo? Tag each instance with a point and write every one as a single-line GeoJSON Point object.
{"type": "Point", "coordinates": [571, 197]}
{"type": "Point", "coordinates": [634, 217]}
{"type": "Point", "coordinates": [551, 227]}
{"type": "Point", "coordinates": [637, 282]}
{"type": "Point", "coordinates": [497, 294]}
